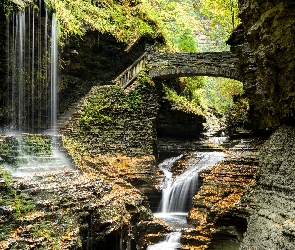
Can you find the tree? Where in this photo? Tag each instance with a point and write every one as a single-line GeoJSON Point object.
{"type": "Point", "coordinates": [221, 18]}
{"type": "Point", "coordinates": [180, 23]}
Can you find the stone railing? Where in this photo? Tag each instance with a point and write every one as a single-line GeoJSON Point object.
{"type": "Point", "coordinates": [129, 75]}
{"type": "Point", "coordinates": [171, 65]}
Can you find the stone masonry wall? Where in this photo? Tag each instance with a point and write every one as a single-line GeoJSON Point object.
{"type": "Point", "coordinates": [171, 65]}
{"type": "Point", "coordinates": [110, 122]}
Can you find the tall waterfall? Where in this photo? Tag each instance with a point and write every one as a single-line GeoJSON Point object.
{"type": "Point", "coordinates": [32, 52]}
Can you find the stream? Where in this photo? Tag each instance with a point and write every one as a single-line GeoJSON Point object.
{"type": "Point", "coordinates": [177, 194]}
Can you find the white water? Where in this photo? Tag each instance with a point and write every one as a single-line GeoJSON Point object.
{"type": "Point", "coordinates": [31, 163]}
{"type": "Point", "coordinates": [172, 242]}
{"type": "Point", "coordinates": [54, 67]}
{"type": "Point", "coordinates": [177, 193]}
{"type": "Point", "coordinates": [32, 55]}
{"type": "Point", "coordinates": [32, 80]}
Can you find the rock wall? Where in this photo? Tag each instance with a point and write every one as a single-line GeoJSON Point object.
{"type": "Point", "coordinates": [219, 213]}
{"type": "Point", "coordinates": [2, 63]}
{"type": "Point", "coordinates": [118, 129]}
{"type": "Point", "coordinates": [110, 122]}
{"type": "Point", "coordinates": [266, 43]}
{"type": "Point", "coordinates": [72, 210]}
{"type": "Point", "coordinates": [91, 61]}
{"type": "Point", "coordinates": [271, 225]}
{"type": "Point", "coordinates": [178, 124]}
{"type": "Point", "coordinates": [267, 38]}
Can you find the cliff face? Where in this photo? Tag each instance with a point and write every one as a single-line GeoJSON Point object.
{"type": "Point", "coordinates": [266, 44]}
{"type": "Point", "coordinates": [271, 225]}
{"type": "Point", "coordinates": [267, 38]}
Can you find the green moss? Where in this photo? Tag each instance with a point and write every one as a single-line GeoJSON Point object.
{"type": "Point", "coordinates": [108, 106]}
{"type": "Point", "coordinates": [19, 202]}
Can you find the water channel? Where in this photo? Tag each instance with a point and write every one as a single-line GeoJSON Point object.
{"type": "Point", "coordinates": [177, 194]}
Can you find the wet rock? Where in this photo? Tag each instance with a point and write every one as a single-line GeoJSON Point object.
{"type": "Point", "coordinates": [72, 210]}
{"type": "Point", "coordinates": [264, 44]}
{"type": "Point", "coordinates": [219, 213]}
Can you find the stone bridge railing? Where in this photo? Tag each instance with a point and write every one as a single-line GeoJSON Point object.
{"type": "Point", "coordinates": [129, 74]}
{"type": "Point", "coordinates": [171, 65]}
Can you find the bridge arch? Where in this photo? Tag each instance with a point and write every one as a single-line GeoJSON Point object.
{"type": "Point", "coordinates": [172, 65]}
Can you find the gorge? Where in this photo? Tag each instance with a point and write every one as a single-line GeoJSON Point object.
{"type": "Point", "coordinates": [63, 97]}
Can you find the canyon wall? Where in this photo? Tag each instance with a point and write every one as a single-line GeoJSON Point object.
{"type": "Point", "coordinates": [265, 45]}
{"type": "Point", "coordinates": [266, 41]}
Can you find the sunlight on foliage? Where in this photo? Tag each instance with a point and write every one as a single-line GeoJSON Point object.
{"type": "Point", "coordinates": [125, 20]}
{"type": "Point", "coordinates": [220, 92]}
{"type": "Point", "coordinates": [191, 105]}
{"type": "Point", "coordinates": [180, 23]}
{"type": "Point", "coordinates": [220, 18]}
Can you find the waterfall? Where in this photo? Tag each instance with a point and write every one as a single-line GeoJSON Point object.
{"type": "Point", "coordinates": [177, 193]}
{"type": "Point", "coordinates": [171, 242]}
{"type": "Point", "coordinates": [54, 66]}
{"type": "Point", "coordinates": [32, 89]}
{"type": "Point", "coordinates": [32, 74]}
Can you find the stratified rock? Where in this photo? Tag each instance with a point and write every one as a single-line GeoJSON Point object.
{"type": "Point", "coordinates": [219, 214]}
{"type": "Point", "coordinates": [70, 209]}
{"type": "Point", "coordinates": [265, 46]}
{"type": "Point", "coordinates": [271, 225]}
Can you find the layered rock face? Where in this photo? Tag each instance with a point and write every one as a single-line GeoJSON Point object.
{"type": "Point", "coordinates": [219, 213]}
{"type": "Point", "coordinates": [266, 46]}
{"type": "Point", "coordinates": [267, 39]}
{"type": "Point", "coordinates": [92, 61]}
{"type": "Point", "coordinates": [65, 208]}
{"type": "Point", "coordinates": [272, 225]}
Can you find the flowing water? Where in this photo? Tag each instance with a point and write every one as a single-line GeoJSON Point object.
{"type": "Point", "coordinates": [32, 88]}
{"type": "Point", "coordinates": [32, 55]}
{"type": "Point", "coordinates": [171, 242]}
{"type": "Point", "coordinates": [177, 194]}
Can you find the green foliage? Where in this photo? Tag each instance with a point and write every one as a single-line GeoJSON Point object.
{"type": "Point", "coordinates": [18, 202]}
{"type": "Point", "coordinates": [6, 176]}
{"type": "Point", "coordinates": [125, 20]}
{"type": "Point", "coordinates": [106, 105]}
{"type": "Point", "coordinates": [8, 6]}
{"type": "Point", "coordinates": [238, 113]}
{"type": "Point", "coordinates": [220, 92]}
{"type": "Point", "coordinates": [180, 23]}
{"type": "Point", "coordinates": [13, 148]}
{"type": "Point", "coordinates": [221, 19]}
{"type": "Point", "coordinates": [189, 103]}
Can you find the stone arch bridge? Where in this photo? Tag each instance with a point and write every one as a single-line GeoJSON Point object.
{"type": "Point", "coordinates": [172, 65]}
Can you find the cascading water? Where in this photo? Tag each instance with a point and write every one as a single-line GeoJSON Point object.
{"type": "Point", "coordinates": [177, 194]}
{"type": "Point", "coordinates": [171, 242]}
{"type": "Point", "coordinates": [32, 82]}
{"type": "Point", "coordinates": [32, 51]}
{"type": "Point", "coordinates": [54, 67]}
